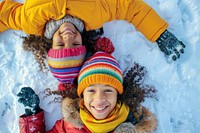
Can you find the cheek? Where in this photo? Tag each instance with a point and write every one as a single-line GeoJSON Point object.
{"type": "Point", "coordinates": [79, 38]}
{"type": "Point", "coordinates": [113, 100]}
{"type": "Point", "coordinates": [86, 99]}
{"type": "Point", "coordinates": [55, 39]}
{"type": "Point", "coordinates": [87, 103]}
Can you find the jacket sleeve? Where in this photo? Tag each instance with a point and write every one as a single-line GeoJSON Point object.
{"type": "Point", "coordinates": [9, 15]}
{"type": "Point", "coordinates": [142, 16]}
{"type": "Point", "coordinates": [34, 123]}
{"type": "Point", "coordinates": [31, 16]}
{"type": "Point", "coordinates": [95, 13]}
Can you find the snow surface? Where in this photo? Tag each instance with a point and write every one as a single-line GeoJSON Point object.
{"type": "Point", "coordinates": [177, 107]}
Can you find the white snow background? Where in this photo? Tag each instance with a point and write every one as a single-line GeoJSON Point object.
{"type": "Point", "coordinates": [178, 104]}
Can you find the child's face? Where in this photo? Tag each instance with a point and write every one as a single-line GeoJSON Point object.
{"type": "Point", "coordinates": [66, 37]}
{"type": "Point", "coordinates": [100, 100]}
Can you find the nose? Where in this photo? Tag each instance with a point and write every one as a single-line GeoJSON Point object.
{"type": "Point", "coordinates": [99, 96]}
{"type": "Point", "coordinates": [68, 40]}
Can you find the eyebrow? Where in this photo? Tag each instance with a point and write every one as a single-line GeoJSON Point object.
{"type": "Point", "coordinates": [104, 85]}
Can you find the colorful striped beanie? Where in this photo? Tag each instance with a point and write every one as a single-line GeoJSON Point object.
{"type": "Point", "coordinates": [66, 63]}
{"type": "Point", "coordinates": [101, 68]}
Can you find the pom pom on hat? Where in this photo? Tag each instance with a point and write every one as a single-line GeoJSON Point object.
{"type": "Point", "coordinates": [53, 25]}
{"type": "Point", "coordinates": [104, 44]}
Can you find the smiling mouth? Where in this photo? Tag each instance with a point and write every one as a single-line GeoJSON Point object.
{"type": "Point", "coordinates": [100, 109]}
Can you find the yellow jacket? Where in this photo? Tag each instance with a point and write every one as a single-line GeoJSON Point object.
{"type": "Point", "coordinates": [33, 14]}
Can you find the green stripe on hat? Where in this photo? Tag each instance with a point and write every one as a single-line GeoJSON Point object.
{"type": "Point", "coordinates": [100, 71]}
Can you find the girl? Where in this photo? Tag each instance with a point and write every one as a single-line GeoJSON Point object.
{"type": "Point", "coordinates": [106, 103]}
{"type": "Point", "coordinates": [65, 35]}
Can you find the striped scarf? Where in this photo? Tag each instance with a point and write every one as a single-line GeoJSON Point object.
{"type": "Point", "coordinates": [66, 63]}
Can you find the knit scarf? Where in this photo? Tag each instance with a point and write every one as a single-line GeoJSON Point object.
{"type": "Point", "coordinates": [116, 117]}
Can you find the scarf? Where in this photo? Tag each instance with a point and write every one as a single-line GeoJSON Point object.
{"type": "Point", "coordinates": [116, 117]}
{"type": "Point", "coordinates": [66, 63]}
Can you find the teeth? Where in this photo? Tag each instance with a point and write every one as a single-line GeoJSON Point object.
{"type": "Point", "coordinates": [100, 108]}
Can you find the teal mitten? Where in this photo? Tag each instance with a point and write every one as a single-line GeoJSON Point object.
{"type": "Point", "coordinates": [30, 100]}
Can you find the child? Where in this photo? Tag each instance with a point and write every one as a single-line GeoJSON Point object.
{"type": "Point", "coordinates": [33, 16]}
{"type": "Point", "coordinates": [102, 106]}
{"type": "Point", "coordinates": [72, 39]}
{"type": "Point", "coordinates": [100, 83]}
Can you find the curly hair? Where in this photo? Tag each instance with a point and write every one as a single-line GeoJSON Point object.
{"type": "Point", "coordinates": [64, 93]}
{"type": "Point", "coordinates": [70, 91]}
{"type": "Point", "coordinates": [135, 91]}
{"type": "Point", "coordinates": [39, 46]}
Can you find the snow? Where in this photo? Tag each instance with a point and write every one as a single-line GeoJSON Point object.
{"type": "Point", "coordinates": [177, 107]}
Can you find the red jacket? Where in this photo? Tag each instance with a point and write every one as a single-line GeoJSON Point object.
{"type": "Point", "coordinates": [32, 124]}
{"type": "Point", "coordinates": [71, 122]}
{"type": "Point", "coordinates": [35, 124]}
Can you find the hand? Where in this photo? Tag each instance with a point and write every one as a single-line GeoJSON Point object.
{"type": "Point", "coordinates": [170, 45]}
{"type": "Point", "coordinates": [30, 100]}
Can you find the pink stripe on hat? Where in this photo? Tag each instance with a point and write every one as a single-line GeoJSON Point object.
{"type": "Point", "coordinates": [66, 52]}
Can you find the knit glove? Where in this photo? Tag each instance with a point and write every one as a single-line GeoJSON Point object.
{"type": "Point", "coordinates": [170, 45]}
{"type": "Point", "coordinates": [30, 100]}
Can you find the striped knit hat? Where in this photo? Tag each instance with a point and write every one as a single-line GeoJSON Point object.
{"type": "Point", "coordinates": [101, 68]}
{"type": "Point", "coordinates": [66, 63]}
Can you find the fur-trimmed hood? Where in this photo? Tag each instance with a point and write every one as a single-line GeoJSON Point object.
{"type": "Point", "coordinates": [148, 123]}
{"type": "Point", "coordinates": [70, 111]}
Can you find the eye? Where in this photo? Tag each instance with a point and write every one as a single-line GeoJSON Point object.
{"type": "Point", "coordinates": [108, 90]}
{"type": "Point", "coordinates": [90, 90]}
{"type": "Point", "coordinates": [60, 45]}
{"type": "Point", "coordinates": [76, 44]}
